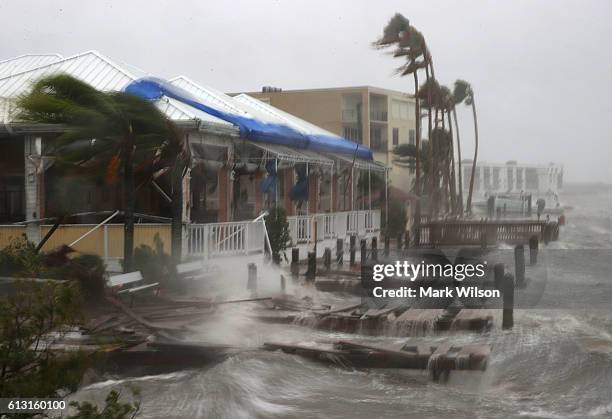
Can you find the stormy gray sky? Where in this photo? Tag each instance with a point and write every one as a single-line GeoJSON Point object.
{"type": "Point", "coordinates": [540, 69]}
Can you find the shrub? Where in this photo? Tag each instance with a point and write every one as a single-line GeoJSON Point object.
{"type": "Point", "coordinates": [20, 258]}
{"type": "Point", "coordinates": [397, 219]}
{"type": "Point", "coordinates": [154, 264]}
{"type": "Point", "coordinates": [278, 231]}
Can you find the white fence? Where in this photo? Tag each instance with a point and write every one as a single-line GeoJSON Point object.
{"type": "Point", "coordinates": [248, 237]}
{"type": "Point", "coordinates": [226, 239]}
{"type": "Point", "coordinates": [333, 225]}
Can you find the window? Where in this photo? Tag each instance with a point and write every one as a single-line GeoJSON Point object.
{"type": "Point", "coordinates": [404, 111]}
{"type": "Point", "coordinates": [400, 110]}
{"type": "Point", "coordinates": [412, 137]}
{"type": "Point", "coordinates": [395, 136]}
{"type": "Point", "coordinates": [352, 133]}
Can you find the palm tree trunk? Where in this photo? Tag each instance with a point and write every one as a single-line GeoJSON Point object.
{"type": "Point", "coordinates": [129, 202]}
{"type": "Point", "coordinates": [417, 115]}
{"type": "Point", "coordinates": [460, 170]}
{"type": "Point", "coordinates": [453, 178]}
{"type": "Point", "coordinates": [177, 213]}
{"type": "Point", "coordinates": [469, 200]}
{"type": "Point", "coordinates": [431, 150]}
{"type": "Point", "coordinates": [417, 182]}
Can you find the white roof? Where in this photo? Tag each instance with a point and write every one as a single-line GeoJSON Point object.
{"type": "Point", "coordinates": [26, 62]}
{"type": "Point", "coordinates": [218, 100]}
{"type": "Point", "coordinates": [99, 72]}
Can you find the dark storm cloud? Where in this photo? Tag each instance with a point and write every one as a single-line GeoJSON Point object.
{"type": "Point", "coordinates": [540, 69]}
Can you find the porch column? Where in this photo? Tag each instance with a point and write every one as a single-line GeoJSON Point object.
{"type": "Point", "coordinates": [33, 197]}
{"type": "Point", "coordinates": [186, 214]}
{"type": "Point", "coordinates": [313, 194]}
{"type": "Point", "coordinates": [258, 194]}
{"type": "Point", "coordinates": [334, 192]}
{"type": "Point", "coordinates": [352, 188]}
{"type": "Point", "coordinates": [287, 185]}
{"type": "Point", "coordinates": [369, 189]}
{"type": "Point", "coordinates": [224, 189]}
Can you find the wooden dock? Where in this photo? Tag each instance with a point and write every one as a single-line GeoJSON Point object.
{"type": "Point", "coordinates": [439, 358]}
{"type": "Point", "coordinates": [489, 232]}
{"type": "Point", "coordinates": [394, 320]}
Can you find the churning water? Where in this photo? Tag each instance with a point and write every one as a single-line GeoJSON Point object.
{"type": "Point", "coordinates": [555, 363]}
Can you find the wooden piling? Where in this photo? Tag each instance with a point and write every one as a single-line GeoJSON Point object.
{"type": "Point", "coordinates": [399, 241]}
{"type": "Point", "coordinates": [519, 264]}
{"type": "Point", "coordinates": [312, 266]}
{"type": "Point", "coordinates": [498, 276]}
{"type": "Point", "coordinates": [364, 251]}
{"type": "Point", "coordinates": [252, 278]}
{"type": "Point", "coordinates": [508, 307]}
{"type": "Point", "coordinates": [387, 243]}
{"type": "Point", "coordinates": [295, 261]}
{"type": "Point", "coordinates": [339, 251]}
{"type": "Point", "coordinates": [327, 258]}
{"type": "Point", "coordinates": [406, 239]}
{"type": "Point", "coordinates": [374, 248]}
{"type": "Point", "coordinates": [367, 275]}
{"type": "Point", "coordinates": [352, 245]}
{"type": "Point", "coordinates": [533, 250]}
{"type": "Point", "coordinates": [283, 284]}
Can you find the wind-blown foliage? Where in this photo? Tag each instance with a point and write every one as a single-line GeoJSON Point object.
{"type": "Point", "coordinates": [108, 132]}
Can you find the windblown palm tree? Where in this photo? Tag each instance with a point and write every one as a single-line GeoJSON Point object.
{"type": "Point", "coordinates": [463, 92]}
{"type": "Point", "coordinates": [109, 133]}
{"type": "Point", "coordinates": [446, 104]}
{"type": "Point", "coordinates": [408, 42]}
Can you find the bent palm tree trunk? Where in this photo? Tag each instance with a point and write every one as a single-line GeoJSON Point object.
{"type": "Point", "coordinates": [129, 202]}
{"type": "Point", "coordinates": [431, 150]}
{"type": "Point", "coordinates": [459, 169]}
{"type": "Point", "coordinates": [453, 182]}
{"type": "Point", "coordinates": [469, 201]}
{"type": "Point", "coordinates": [177, 214]}
{"type": "Point", "coordinates": [417, 185]}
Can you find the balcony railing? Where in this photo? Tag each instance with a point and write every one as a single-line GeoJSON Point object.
{"type": "Point", "coordinates": [378, 115]}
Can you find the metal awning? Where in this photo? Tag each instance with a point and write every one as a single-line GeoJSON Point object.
{"type": "Point", "coordinates": [360, 163]}
{"type": "Point", "coordinates": [283, 153]}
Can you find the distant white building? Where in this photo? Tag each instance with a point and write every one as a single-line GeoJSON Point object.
{"type": "Point", "coordinates": [512, 178]}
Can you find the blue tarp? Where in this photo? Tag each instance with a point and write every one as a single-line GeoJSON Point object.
{"type": "Point", "coordinates": [151, 88]}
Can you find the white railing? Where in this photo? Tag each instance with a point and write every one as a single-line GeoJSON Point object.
{"type": "Point", "coordinates": [248, 237]}
{"type": "Point", "coordinates": [226, 239]}
{"type": "Point", "coordinates": [333, 225]}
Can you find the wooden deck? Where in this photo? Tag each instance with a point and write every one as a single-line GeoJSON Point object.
{"type": "Point", "coordinates": [459, 232]}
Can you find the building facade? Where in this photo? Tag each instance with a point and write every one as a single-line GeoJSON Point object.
{"type": "Point", "coordinates": [247, 157]}
{"type": "Point", "coordinates": [513, 178]}
{"type": "Point", "coordinates": [380, 119]}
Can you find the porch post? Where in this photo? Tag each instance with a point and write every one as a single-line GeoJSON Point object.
{"type": "Point", "coordinates": [223, 179]}
{"type": "Point", "coordinates": [352, 189]}
{"type": "Point", "coordinates": [331, 190]}
{"type": "Point", "coordinates": [186, 214]}
{"type": "Point", "coordinates": [369, 189]}
{"type": "Point", "coordinates": [33, 200]}
{"type": "Point", "coordinates": [276, 184]}
{"type": "Point", "coordinates": [288, 184]}
{"type": "Point", "coordinates": [308, 186]}
{"type": "Point", "coordinates": [313, 194]}
{"type": "Point", "coordinates": [258, 194]}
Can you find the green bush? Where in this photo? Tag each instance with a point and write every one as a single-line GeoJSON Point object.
{"type": "Point", "coordinates": [154, 264]}
{"type": "Point", "coordinates": [397, 219]}
{"type": "Point", "coordinates": [278, 231]}
{"type": "Point", "coordinates": [20, 258]}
